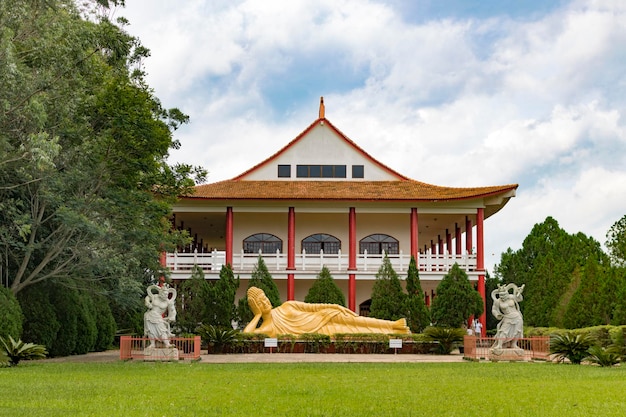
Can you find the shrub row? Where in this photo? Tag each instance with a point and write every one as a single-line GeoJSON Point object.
{"type": "Point", "coordinates": [320, 343]}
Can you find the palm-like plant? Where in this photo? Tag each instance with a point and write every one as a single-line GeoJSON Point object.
{"type": "Point", "coordinates": [448, 337]}
{"type": "Point", "coordinates": [602, 356]}
{"type": "Point", "coordinates": [574, 347]}
{"type": "Point", "coordinates": [217, 337]}
{"type": "Point", "coordinates": [19, 351]}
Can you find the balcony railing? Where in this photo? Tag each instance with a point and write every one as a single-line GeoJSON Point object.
{"type": "Point", "coordinates": [336, 262]}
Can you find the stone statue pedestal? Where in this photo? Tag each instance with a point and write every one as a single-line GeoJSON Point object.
{"type": "Point", "coordinates": [160, 354]}
{"type": "Point", "coordinates": [506, 354]}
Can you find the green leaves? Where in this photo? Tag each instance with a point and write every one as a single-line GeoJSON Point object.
{"type": "Point", "coordinates": [19, 351]}
{"type": "Point", "coordinates": [456, 300]}
{"type": "Point", "coordinates": [570, 346]}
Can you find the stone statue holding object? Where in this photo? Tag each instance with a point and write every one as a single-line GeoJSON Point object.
{"type": "Point", "coordinates": [506, 309]}
{"type": "Point", "coordinates": [160, 302]}
{"type": "Point", "coordinates": [295, 317]}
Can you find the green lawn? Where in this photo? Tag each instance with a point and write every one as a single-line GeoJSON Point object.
{"type": "Point", "coordinates": [306, 389]}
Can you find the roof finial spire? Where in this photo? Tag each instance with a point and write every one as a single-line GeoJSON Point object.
{"type": "Point", "coordinates": [322, 109]}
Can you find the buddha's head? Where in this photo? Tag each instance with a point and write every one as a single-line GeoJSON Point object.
{"type": "Point", "coordinates": [258, 301]}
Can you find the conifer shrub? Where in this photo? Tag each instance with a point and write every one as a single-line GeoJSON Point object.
{"type": "Point", "coordinates": [417, 314]}
{"type": "Point", "coordinates": [325, 290]}
{"type": "Point", "coordinates": [40, 320]}
{"type": "Point", "coordinates": [11, 324]}
{"type": "Point", "coordinates": [260, 278]}
{"type": "Point", "coordinates": [388, 298]}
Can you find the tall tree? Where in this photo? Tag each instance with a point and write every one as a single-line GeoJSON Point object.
{"type": "Point", "coordinates": [221, 309]}
{"type": "Point", "coordinates": [616, 242]}
{"type": "Point", "coordinates": [260, 278]}
{"type": "Point", "coordinates": [546, 263]}
{"type": "Point", "coordinates": [388, 298]}
{"type": "Point", "coordinates": [417, 314]}
{"type": "Point", "coordinates": [192, 301]}
{"type": "Point", "coordinates": [325, 290]}
{"type": "Point", "coordinates": [591, 304]}
{"type": "Point", "coordinates": [456, 300]}
{"type": "Point", "coordinates": [86, 188]}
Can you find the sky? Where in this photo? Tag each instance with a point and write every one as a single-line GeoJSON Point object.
{"type": "Point", "coordinates": [450, 92]}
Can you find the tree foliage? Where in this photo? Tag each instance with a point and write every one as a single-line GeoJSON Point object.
{"type": "Point", "coordinates": [86, 188]}
{"type": "Point", "coordinates": [388, 298]}
{"type": "Point", "coordinates": [192, 300]}
{"type": "Point", "coordinates": [221, 309]}
{"type": "Point", "coordinates": [325, 290]}
{"type": "Point", "coordinates": [11, 323]}
{"type": "Point", "coordinates": [417, 314]}
{"type": "Point", "coordinates": [456, 300]}
{"type": "Point", "coordinates": [546, 263]}
{"type": "Point", "coordinates": [260, 278]}
{"type": "Point", "coordinates": [616, 242]}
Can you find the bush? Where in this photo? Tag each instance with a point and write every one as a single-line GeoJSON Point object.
{"type": "Point", "coordinates": [447, 337]}
{"type": "Point", "coordinates": [19, 351]}
{"type": "Point", "coordinates": [325, 290]}
{"type": "Point", "coordinates": [11, 324]}
{"type": "Point", "coordinates": [40, 320]}
{"type": "Point", "coordinates": [574, 347]}
{"type": "Point", "coordinates": [217, 337]}
{"type": "Point", "coordinates": [105, 324]}
{"type": "Point", "coordinates": [602, 356]}
{"type": "Point", "coordinates": [314, 342]}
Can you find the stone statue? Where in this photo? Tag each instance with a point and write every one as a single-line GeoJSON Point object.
{"type": "Point", "coordinates": [161, 313]}
{"type": "Point", "coordinates": [506, 309]}
{"type": "Point", "coordinates": [295, 317]}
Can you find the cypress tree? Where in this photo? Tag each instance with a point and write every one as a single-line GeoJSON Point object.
{"type": "Point", "coordinates": [417, 314]}
{"type": "Point", "coordinates": [261, 278]}
{"type": "Point", "coordinates": [325, 290]}
{"type": "Point", "coordinates": [456, 300]}
{"type": "Point", "coordinates": [191, 301]}
{"type": "Point", "coordinates": [221, 308]}
{"type": "Point", "coordinates": [388, 298]}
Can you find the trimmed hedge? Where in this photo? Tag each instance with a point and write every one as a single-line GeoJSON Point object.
{"type": "Point", "coordinates": [11, 324]}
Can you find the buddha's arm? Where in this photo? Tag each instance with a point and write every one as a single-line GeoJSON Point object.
{"type": "Point", "coordinates": [252, 325]}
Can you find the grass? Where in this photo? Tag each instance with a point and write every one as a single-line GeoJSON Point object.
{"type": "Point", "coordinates": [36, 389]}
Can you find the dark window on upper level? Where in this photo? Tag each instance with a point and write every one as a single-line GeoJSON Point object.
{"type": "Point", "coordinates": [358, 171]}
{"type": "Point", "coordinates": [263, 242]}
{"type": "Point", "coordinates": [321, 171]}
{"type": "Point", "coordinates": [379, 244]}
{"type": "Point", "coordinates": [284, 171]}
{"type": "Point", "coordinates": [321, 242]}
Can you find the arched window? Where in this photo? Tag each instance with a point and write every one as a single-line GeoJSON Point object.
{"type": "Point", "coordinates": [263, 242]}
{"type": "Point", "coordinates": [379, 243]}
{"type": "Point", "coordinates": [321, 241]}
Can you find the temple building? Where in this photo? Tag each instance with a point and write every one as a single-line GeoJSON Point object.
{"type": "Point", "coordinates": [323, 201]}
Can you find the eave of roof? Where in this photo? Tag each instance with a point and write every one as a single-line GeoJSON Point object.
{"type": "Point", "coordinates": [404, 190]}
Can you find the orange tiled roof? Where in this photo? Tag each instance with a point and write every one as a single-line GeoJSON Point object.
{"type": "Point", "coordinates": [406, 190]}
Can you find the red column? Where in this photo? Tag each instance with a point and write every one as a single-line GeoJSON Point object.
{"type": "Point", "coordinates": [352, 239]}
{"type": "Point", "coordinates": [229, 236]}
{"type": "Point", "coordinates": [291, 239]}
{"type": "Point", "coordinates": [457, 239]}
{"type": "Point", "coordinates": [448, 243]}
{"type": "Point", "coordinates": [439, 245]}
{"type": "Point", "coordinates": [468, 235]}
{"type": "Point", "coordinates": [352, 259]}
{"type": "Point", "coordinates": [480, 262]}
{"type": "Point", "coordinates": [414, 241]}
{"type": "Point", "coordinates": [291, 253]}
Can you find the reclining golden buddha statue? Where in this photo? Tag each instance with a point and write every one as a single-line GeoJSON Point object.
{"type": "Point", "coordinates": [296, 317]}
